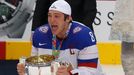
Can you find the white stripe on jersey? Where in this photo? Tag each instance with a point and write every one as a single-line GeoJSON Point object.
{"type": "Point", "coordinates": [40, 51]}
{"type": "Point", "coordinates": [87, 53]}
{"type": "Point", "coordinates": [90, 52]}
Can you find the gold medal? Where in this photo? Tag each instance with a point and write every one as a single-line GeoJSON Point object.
{"type": "Point", "coordinates": [56, 53]}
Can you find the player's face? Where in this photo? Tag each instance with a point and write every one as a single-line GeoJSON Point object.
{"type": "Point", "coordinates": [56, 21]}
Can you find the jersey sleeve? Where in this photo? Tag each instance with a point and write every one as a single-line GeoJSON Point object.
{"type": "Point", "coordinates": [40, 37]}
{"type": "Point", "coordinates": [88, 55]}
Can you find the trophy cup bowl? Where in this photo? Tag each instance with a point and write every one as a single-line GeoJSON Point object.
{"type": "Point", "coordinates": [40, 60]}
{"type": "Point", "coordinates": [39, 64]}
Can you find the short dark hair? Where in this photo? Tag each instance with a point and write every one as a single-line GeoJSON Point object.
{"type": "Point", "coordinates": [66, 16]}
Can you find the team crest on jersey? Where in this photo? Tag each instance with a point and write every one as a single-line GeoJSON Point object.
{"type": "Point", "coordinates": [43, 29]}
{"type": "Point", "coordinates": [77, 29]}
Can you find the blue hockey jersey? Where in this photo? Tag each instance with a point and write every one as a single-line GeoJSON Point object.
{"type": "Point", "coordinates": [78, 48]}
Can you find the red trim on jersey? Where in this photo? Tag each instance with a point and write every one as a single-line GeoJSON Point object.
{"type": "Point", "coordinates": [91, 64]}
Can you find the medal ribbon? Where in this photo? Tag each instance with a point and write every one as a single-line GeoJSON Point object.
{"type": "Point", "coordinates": [56, 46]}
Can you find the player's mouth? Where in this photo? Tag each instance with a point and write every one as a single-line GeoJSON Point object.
{"type": "Point", "coordinates": [54, 28]}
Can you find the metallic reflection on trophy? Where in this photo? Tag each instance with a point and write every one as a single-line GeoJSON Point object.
{"type": "Point", "coordinates": [38, 65]}
{"type": "Point", "coordinates": [43, 65]}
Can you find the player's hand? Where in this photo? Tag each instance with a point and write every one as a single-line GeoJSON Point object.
{"type": "Point", "coordinates": [21, 69]}
{"type": "Point", "coordinates": [62, 70]}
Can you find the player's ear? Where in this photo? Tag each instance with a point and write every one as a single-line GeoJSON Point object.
{"type": "Point", "coordinates": [68, 18]}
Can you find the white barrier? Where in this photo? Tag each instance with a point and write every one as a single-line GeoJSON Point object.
{"type": "Point", "coordinates": [104, 18]}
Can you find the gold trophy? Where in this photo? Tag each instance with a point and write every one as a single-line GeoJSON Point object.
{"type": "Point", "coordinates": [38, 65]}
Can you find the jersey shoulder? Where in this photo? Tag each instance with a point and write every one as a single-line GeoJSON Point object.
{"type": "Point", "coordinates": [41, 34]}
{"type": "Point", "coordinates": [44, 29]}
{"type": "Point", "coordinates": [83, 34]}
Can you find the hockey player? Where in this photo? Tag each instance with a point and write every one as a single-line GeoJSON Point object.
{"type": "Point", "coordinates": [63, 38]}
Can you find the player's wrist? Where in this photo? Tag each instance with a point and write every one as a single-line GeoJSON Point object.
{"type": "Point", "coordinates": [72, 74]}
